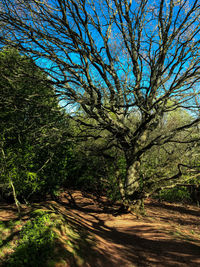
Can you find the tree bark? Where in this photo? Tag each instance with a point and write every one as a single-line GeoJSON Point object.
{"type": "Point", "coordinates": [133, 194]}
{"type": "Point", "coordinates": [17, 203]}
{"type": "Point", "coordinates": [132, 181]}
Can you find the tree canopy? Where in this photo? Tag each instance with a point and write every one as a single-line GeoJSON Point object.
{"type": "Point", "coordinates": [126, 63]}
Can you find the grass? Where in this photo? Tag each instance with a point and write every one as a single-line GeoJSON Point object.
{"type": "Point", "coordinates": [46, 238]}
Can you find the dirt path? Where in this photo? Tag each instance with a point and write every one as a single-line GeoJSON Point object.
{"type": "Point", "coordinates": [169, 234]}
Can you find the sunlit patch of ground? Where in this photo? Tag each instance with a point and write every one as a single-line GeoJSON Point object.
{"type": "Point", "coordinates": [90, 234]}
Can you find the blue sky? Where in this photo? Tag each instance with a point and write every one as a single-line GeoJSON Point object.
{"type": "Point", "coordinates": [64, 50]}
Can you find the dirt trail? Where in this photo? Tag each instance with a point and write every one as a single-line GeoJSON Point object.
{"type": "Point", "coordinates": [169, 234]}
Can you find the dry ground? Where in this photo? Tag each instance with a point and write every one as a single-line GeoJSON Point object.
{"type": "Point", "coordinates": [169, 234]}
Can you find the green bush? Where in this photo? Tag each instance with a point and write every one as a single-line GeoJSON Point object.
{"type": "Point", "coordinates": [176, 194]}
{"type": "Point", "coordinates": [33, 131]}
{"type": "Point", "coordinates": [36, 243]}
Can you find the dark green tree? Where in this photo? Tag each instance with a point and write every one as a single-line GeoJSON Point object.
{"type": "Point", "coordinates": [33, 153]}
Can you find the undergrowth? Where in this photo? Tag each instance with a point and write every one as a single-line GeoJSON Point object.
{"type": "Point", "coordinates": [36, 243]}
{"type": "Point", "coordinates": [174, 195]}
{"type": "Point", "coordinates": [47, 238]}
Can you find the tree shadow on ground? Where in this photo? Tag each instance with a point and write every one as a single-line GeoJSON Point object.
{"type": "Point", "coordinates": [138, 243]}
{"type": "Point", "coordinates": [131, 247]}
{"type": "Point", "coordinates": [70, 247]}
{"type": "Point", "coordinates": [142, 245]}
{"type": "Point", "coordinates": [172, 207]}
{"type": "Point", "coordinates": [91, 204]}
{"type": "Point", "coordinates": [177, 214]}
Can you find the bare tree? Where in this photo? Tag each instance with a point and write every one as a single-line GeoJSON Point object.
{"type": "Point", "coordinates": [116, 58]}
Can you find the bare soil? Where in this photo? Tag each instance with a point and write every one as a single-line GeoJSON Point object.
{"type": "Point", "coordinates": [168, 235]}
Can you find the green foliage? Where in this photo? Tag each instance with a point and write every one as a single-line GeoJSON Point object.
{"type": "Point", "coordinates": [36, 243]}
{"type": "Point", "coordinates": [33, 129]}
{"type": "Point", "coordinates": [44, 237]}
{"type": "Point", "coordinates": [176, 194]}
{"type": "Point", "coordinates": [160, 166]}
{"type": "Point", "coordinates": [116, 171]}
{"type": "Point", "coordinates": [85, 171]}
{"type": "Point", "coordinates": [93, 170]}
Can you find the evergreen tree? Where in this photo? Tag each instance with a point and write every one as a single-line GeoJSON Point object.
{"type": "Point", "coordinates": [32, 128]}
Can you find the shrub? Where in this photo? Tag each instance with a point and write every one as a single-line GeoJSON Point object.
{"type": "Point", "coordinates": [36, 243]}
{"type": "Point", "coordinates": [176, 194]}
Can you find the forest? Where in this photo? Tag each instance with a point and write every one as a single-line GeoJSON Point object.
{"type": "Point", "coordinates": [99, 117]}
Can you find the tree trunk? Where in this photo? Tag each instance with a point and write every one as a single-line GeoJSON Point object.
{"type": "Point", "coordinates": [7, 173]}
{"type": "Point", "coordinates": [132, 181]}
{"type": "Point", "coordinates": [133, 194]}
{"type": "Point", "coordinates": [17, 203]}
